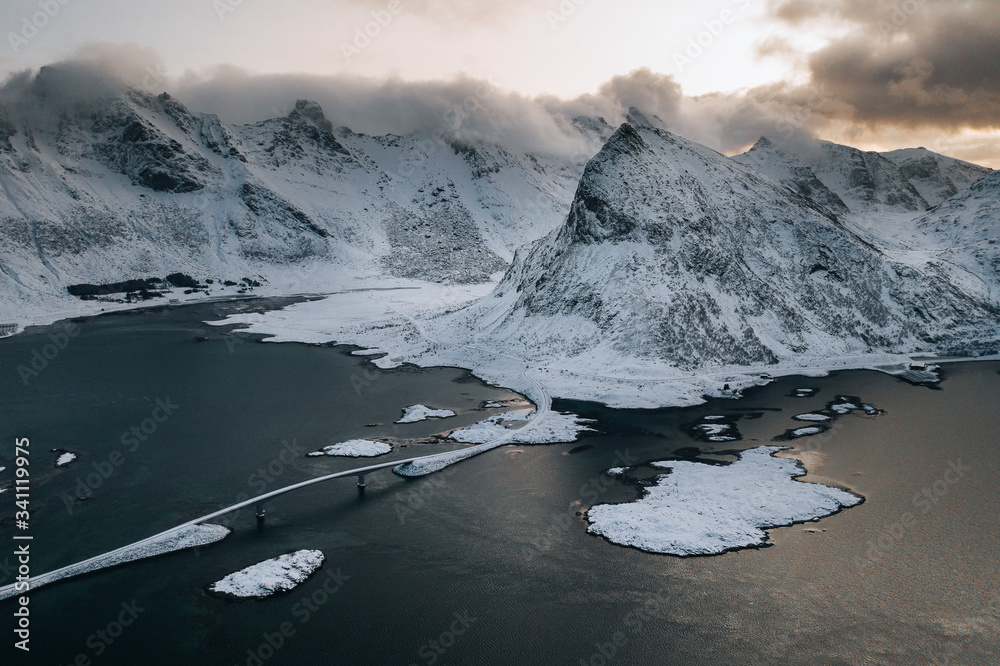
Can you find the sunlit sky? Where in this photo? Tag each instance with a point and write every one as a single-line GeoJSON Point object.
{"type": "Point", "coordinates": [534, 48]}
{"type": "Point", "coordinates": [564, 48]}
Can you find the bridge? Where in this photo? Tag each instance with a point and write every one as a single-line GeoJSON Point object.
{"type": "Point", "coordinates": [177, 538]}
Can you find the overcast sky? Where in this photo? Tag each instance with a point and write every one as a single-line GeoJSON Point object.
{"type": "Point", "coordinates": [878, 74]}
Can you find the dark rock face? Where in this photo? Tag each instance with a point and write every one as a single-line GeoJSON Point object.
{"type": "Point", "coordinates": [937, 177]}
{"type": "Point", "coordinates": [129, 144]}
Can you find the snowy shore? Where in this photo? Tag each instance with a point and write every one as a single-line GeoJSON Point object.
{"type": "Point", "coordinates": [407, 326]}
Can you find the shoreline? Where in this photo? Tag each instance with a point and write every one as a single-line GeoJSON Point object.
{"type": "Point", "coordinates": [692, 388]}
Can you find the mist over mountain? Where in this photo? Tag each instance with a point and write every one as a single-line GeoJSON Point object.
{"type": "Point", "coordinates": [121, 184]}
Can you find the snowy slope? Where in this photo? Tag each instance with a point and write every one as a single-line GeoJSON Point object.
{"type": "Point", "coordinates": [936, 177]}
{"type": "Point", "coordinates": [961, 239]}
{"type": "Point", "coordinates": [680, 273]}
{"type": "Point", "coordinates": [864, 182]}
{"type": "Point", "coordinates": [124, 184]}
{"type": "Point", "coordinates": [672, 251]}
{"type": "Point", "coordinates": [766, 158]}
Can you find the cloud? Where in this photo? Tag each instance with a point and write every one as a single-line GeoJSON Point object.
{"type": "Point", "coordinates": [463, 108]}
{"type": "Point", "coordinates": [909, 63]}
{"type": "Point", "coordinates": [94, 72]}
{"type": "Point", "coordinates": [471, 110]}
{"type": "Point", "coordinates": [455, 13]}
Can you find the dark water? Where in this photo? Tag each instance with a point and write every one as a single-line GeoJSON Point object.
{"type": "Point", "coordinates": [487, 563]}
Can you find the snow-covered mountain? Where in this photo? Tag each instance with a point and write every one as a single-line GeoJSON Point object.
{"type": "Point", "coordinates": [680, 273]}
{"type": "Point", "coordinates": [936, 177]}
{"type": "Point", "coordinates": [961, 239]}
{"type": "Point", "coordinates": [123, 184]}
{"type": "Point", "coordinates": [673, 252]}
{"type": "Point", "coordinates": [766, 158]}
{"type": "Point", "coordinates": [846, 179]}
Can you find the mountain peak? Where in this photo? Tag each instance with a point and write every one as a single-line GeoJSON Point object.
{"type": "Point", "coordinates": [311, 111]}
{"type": "Point", "coordinates": [763, 143]}
{"type": "Point", "coordinates": [640, 119]}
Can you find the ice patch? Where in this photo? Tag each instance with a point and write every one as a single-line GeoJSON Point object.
{"type": "Point", "coordinates": [711, 429]}
{"type": "Point", "coordinates": [616, 471]}
{"type": "Point", "coordinates": [354, 448]}
{"type": "Point", "coordinates": [555, 429]}
{"type": "Point", "coordinates": [491, 433]}
{"type": "Point", "coordinates": [64, 459]}
{"type": "Point", "coordinates": [819, 418]}
{"type": "Point", "coordinates": [701, 509]}
{"type": "Point", "coordinates": [278, 574]}
{"type": "Point", "coordinates": [805, 432]}
{"type": "Point", "coordinates": [844, 407]}
{"type": "Point", "coordinates": [415, 413]}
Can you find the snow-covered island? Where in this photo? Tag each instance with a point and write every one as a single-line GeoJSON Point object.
{"type": "Point", "coordinates": [416, 413]}
{"type": "Point", "coordinates": [556, 428]}
{"type": "Point", "coordinates": [816, 418]}
{"type": "Point", "coordinates": [65, 458]}
{"type": "Point", "coordinates": [492, 433]}
{"type": "Point", "coordinates": [354, 448]}
{"type": "Point", "coordinates": [805, 432]}
{"type": "Point", "coordinates": [279, 574]}
{"type": "Point", "coordinates": [701, 509]}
